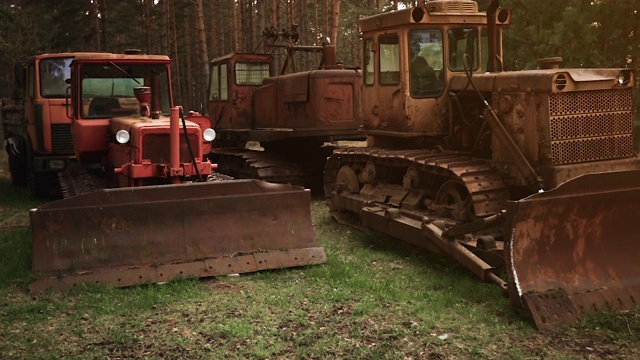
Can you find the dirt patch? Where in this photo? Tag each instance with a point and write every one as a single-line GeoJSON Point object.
{"type": "Point", "coordinates": [11, 219]}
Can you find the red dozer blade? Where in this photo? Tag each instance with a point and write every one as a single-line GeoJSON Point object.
{"type": "Point", "coordinates": [574, 249]}
{"type": "Point", "coordinates": [128, 236]}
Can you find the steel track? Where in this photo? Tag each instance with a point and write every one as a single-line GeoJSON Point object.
{"type": "Point", "coordinates": [79, 181]}
{"type": "Point", "coordinates": [253, 164]}
{"type": "Point", "coordinates": [483, 182]}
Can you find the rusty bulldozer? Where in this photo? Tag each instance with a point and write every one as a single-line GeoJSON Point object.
{"type": "Point", "coordinates": [527, 178]}
{"type": "Point", "coordinates": [138, 207]}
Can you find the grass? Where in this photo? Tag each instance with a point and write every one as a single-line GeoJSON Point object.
{"type": "Point", "coordinates": [376, 298]}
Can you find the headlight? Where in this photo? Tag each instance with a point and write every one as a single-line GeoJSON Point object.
{"type": "Point", "coordinates": [122, 136]}
{"type": "Point", "coordinates": [624, 77]}
{"type": "Point", "coordinates": [56, 164]}
{"type": "Point", "coordinates": [209, 134]}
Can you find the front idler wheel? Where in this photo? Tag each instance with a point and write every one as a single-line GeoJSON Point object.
{"type": "Point", "coordinates": [454, 201]}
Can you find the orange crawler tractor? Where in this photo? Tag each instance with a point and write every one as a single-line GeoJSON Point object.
{"type": "Point", "coordinates": [529, 173]}
{"type": "Point", "coordinates": [157, 218]}
{"type": "Point", "coordinates": [292, 115]}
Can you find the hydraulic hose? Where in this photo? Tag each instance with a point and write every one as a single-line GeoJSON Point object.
{"type": "Point", "coordinates": [186, 136]}
{"type": "Point", "coordinates": [503, 135]}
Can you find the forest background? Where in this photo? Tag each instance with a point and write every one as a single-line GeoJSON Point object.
{"type": "Point", "coordinates": [585, 33]}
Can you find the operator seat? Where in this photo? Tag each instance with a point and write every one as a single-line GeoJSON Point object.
{"type": "Point", "coordinates": [103, 106]}
{"type": "Point", "coordinates": [424, 80]}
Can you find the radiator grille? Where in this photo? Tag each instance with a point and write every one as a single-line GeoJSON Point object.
{"type": "Point", "coordinates": [590, 126]}
{"type": "Point", "coordinates": [156, 148]}
{"type": "Point", "coordinates": [577, 126]}
{"type": "Point", "coordinates": [61, 141]}
{"type": "Point", "coordinates": [587, 102]}
{"type": "Point", "coordinates": [591, 149]}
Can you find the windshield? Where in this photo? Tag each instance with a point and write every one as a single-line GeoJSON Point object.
{"type": "Point", "coordinates": [251, 73]}
{"type": "Point", "coordinates": [463, 43]}
{"type": "Point", "coordinates": [53, 73]}
{"type": "Point", "coordinates": [107, 90]}
{"type": "Point", "coordinates": [425, 65]}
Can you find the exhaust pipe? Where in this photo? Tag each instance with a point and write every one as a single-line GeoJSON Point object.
{"type": "Point", "coordinates": [495, 63]}
{"type": "Point", "coordinates": [174, 145]}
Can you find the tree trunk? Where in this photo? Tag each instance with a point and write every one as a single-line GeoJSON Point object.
{"type": "Point", "coordinates": [213, 39]}
{"type": "Point", "coordinates": [235, 30]}
{"type": "Point", "coordinates": [204, 57]}
{"type": "Point", "coordinates": [274, 22]}
{"type": "Point", "coordinates": [96, 24]}
{"type": "Point", "coordinates": [148, 28]}
{"type": "Point", "coordinates": [335, 21]}
{"type": "Point", "coordinates": [223, 31]}
{"type": "Point", "coordinates": [274, 13]}
{"type": "Point", "coordinates": [164, 27]}
{"type": "Point", "coordinates": [175, 60]}
{"type": "Point", "coordinates": [189, 94]}
{"type": "Point", "coordinates": [103, 22]}
{"type": "Point", "coordinates": [325, 16]}
{"type": "Point", "coordinates": [252, 19]}
{"type": "Point", "coordinates": [316, 35]}
{"type": "Point", "coordinates": [262, 23]}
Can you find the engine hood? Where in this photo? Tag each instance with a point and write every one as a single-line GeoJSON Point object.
{"type": "Point", "coordinates": [547, 80]}
{"type": "Point", "coordinates": [133, 124]}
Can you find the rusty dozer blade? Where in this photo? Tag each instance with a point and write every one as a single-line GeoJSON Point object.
{"type": "Point", "coordinates": [127, 236]}
{"type": "Point", "coordinates": [574, 249]}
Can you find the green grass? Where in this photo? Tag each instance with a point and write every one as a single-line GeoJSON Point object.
{"type": "Point", "coordinates": [376, 298]}
{"type": "Point", "coordinates": [15, 252]}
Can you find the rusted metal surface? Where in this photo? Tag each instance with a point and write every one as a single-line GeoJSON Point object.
{"type": "Point", "coordinates": [400, 210]}
{"type": "Point", "coordinates": [433, 165]}
{"type": "Point", "coordinates": [606, 125]}
{"type": "Point", "coordinates": [487, 191]}
{"type": "Point", "coordinates": [322, 100]}
{"type": "Point", "coordinates": [120, 277]}
{"type": "Point", "coordinates": [177, 225]}
{"type": "Point", "coordinates": [253, 164]}
{"type": "Point", "coordinates": [574, 249]}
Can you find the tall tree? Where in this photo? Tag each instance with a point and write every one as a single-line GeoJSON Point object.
{"type": "Point", "coordinates": [102, 5]}
{"type": "Point", "coordinates": [236, 30]}
{"type": "Point", "coordinates": [95, 16]}
{"type": "Point", "coordinates": [204, 57]}
{"type": "Point", "coordinates": [335, 20]}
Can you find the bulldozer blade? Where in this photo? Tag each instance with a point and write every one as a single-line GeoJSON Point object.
{"type": "Point", "coordinates": [574, 249]}
{"type": "Point", "coordinates": [128, 236]}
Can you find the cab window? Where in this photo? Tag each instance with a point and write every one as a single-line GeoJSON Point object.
{"type": "Point", "coordinates": [214, 83]}
{"type": "Point", "coordinates": [368, 62]}
{"type": "Point", "coordinates": [218, 88]}
{"type": "Point", "coordinates": [107, 90]}
{"type": "Point", "coordinates": [389, 60]}
{"type": "Point", "coordinates": [426, 73]}
{"type": "Point", "coordinates": [463, 44]}
{"type": "Point", "coordinates": [53, 75]}
{"type": "Point", "coordinates": [251, 73]}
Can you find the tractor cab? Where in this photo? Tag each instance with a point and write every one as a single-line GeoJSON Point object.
{"type": "Point", "coordinates": [104, 88]}
{"type": "Point", "coordinates": [411, 56]}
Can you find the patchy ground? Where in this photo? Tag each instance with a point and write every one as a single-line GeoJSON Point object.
{"type": "Point", "coordinates": [375, 298]}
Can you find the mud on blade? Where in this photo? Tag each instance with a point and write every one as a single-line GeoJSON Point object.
{"type": "Point", "coordinates": [575, 249]}
{"type": "Point", "coordinates": [127, 236]}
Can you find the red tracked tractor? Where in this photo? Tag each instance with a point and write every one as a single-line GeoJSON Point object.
{"type": "Point", "coordinates": [156, 218]}
{"type": "Point", "coordinates": [529, 173]}
{"type": "Point", "coordinates": [294, 115]}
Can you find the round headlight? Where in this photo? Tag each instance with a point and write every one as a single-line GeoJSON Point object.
{"type": "Point", "coordinates": [624, 77]}
{"type": "Point", "coordinates": [122, 136]}
{"type": "Point", "coordinates": [209, 134]}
